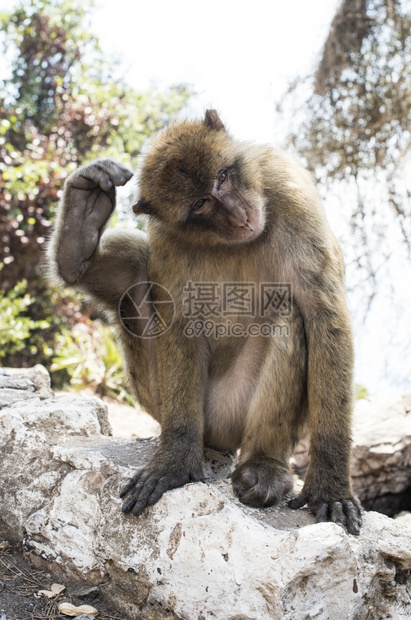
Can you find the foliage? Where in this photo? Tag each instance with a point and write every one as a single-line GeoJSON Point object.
{"type": "Point", "coordinates": [16, 326]}
{"type": "Point", "coordinates": [361, 392]}
{"type": "Point", "coordinates": [57, 112]}
{"type": "Point", "coordinates": [356, 121]}
{"type": "Point", "coordinates": [351, 124]}
{"type": "Point", "coordinates": [91, 358]}
{"type": "Point", "coordinates": [59, 108]}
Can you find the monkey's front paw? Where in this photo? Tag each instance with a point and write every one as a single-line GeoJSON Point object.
{"type": "Point", "coordinates": [147, 486]}
{"type": "Point", "coordinates": [261, 481]}
{"type": "Point", "coordinates": [344, 512]}
{"type": "Point", "coordinates": [88, 201]}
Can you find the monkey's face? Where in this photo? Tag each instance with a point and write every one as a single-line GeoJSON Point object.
{"type": "Point", "coordinates": [197, 182]}
{"type": "Point", "coordinates": [225, 209]}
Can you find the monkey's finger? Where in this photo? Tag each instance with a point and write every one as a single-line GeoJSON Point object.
{"type": "Point", "coordinates": [247, 488]}
{"type": "Point", "coordinates": [243, 480]}
{"type": "Point", "coordinates": [354, 507]}
{"type": "Point", "coordinates": [91, 179]}
{"type": "Point", "coordinates": [354, 519]}
{"type": "Point", "coordinates": [353, 528]}
{"type": "Point", "coordinates": [117, 173]}
{"type": "Point", "coordinates": [258, 497]}
{"type": "Point", "coordinates": [322, 513]}
{"type": "Point", "coordinates": [128, 504]}
{"type": "Point", "coordinates": [263, 494]}
{"type": "Point", "coordinates": [143, 494]}
{"type": "Point", "coordinates": [337, 514]}
{"type": "Point", "coordinates": [136, 500]}
{"type": "Point", "coordinates": [131, 483]}
{"type": "Point", "coordinates": [127, 488]}
{"type": "Point", "coordinates": [170, 482]}
{"type": "Point", "coordinates": [163, 485]}
{"type": "Point", "coordinates": [103, 178]}
{"type": "Point", "coordinates": [125, 174]}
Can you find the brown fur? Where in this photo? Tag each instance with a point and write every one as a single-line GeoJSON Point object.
{"type": "Point", "coordinates": [224, 211]}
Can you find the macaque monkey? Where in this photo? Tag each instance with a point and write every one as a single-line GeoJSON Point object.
{"type": "Point", "coordinates": [223, 214]}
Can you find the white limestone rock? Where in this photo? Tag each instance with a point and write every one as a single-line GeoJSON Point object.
{"type": "Point", "coordinates": [198, 553]}
{"type": "Point", "coordinates": [32, 421]}
{"type": "Point", "coordinates": [381, 463]}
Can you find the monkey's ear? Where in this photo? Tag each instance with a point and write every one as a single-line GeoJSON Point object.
{"type": "Point", "coordinates": [213, 121]}
{"type": "Point", "coordinates": [143, 208]}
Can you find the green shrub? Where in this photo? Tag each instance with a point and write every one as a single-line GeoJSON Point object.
{"type": "Point", "coordinates": [361, 392]}
{"type": "Point", "coordinates": [59, 108]}
{"type": "Point", "coordinates": [16, 326]}
{"type": "Point", "coordinates": [88, 356]}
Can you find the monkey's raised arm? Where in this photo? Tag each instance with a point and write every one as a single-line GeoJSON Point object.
{"type": "Point", "coordinates": [101, 269]}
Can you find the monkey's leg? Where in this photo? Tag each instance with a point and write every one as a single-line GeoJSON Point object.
{"type": "Point", "coordinates": [275, 419]}
{"type": "Point", "coordinates": [179, 458]}
{"type": "Point", "coordinates": [327, 486]}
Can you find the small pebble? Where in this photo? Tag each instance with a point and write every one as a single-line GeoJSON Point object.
{"type": "Point", "coordinates": [88, 592]}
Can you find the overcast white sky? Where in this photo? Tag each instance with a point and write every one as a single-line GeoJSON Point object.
{"type": "Point", "coordinates": [238, 56]}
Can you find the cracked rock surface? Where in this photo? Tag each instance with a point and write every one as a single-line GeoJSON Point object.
{"type": "Point", "coordinates": [198, 553]}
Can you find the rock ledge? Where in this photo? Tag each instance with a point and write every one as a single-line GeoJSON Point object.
{"type": "Point", "coordinates": [198, 553]}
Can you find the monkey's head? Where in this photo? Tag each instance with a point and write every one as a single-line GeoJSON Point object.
{"type": "Point", "coordinates": [200, 183]}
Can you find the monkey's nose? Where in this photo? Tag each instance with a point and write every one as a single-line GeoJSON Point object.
{"type": "Point", "coordinates": [238, 218]}
{"type": "Point", "coordinates": [247, 224]}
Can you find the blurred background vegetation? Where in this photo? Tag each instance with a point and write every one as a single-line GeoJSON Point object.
{"type": "Point", "coordinates": [350, 123]}
{"type": "Point", "coordinates": [61, 107]}
{"type": "Point", "coordinates": [353, 130]}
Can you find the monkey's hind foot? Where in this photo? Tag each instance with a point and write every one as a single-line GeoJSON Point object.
{"type": "Point", "coordinates": [346, 512]}
{"type": "Point", "coordinates": [261, 481]}
{"type": "Point", "coordinates": [147, 486]}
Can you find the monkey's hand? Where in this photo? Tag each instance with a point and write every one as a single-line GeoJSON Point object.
{"type": "Point", "coordinates": [163, 473]}
{"type": "Point", "coordinates": [329, 502]}
{"type": "Point", "coordinates": [88, 201]}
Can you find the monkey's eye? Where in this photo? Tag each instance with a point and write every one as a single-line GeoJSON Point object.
{"type": "Point", "coordinates": [198, 204]}
{"type": "Point", "coordinates": [222, 176]}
